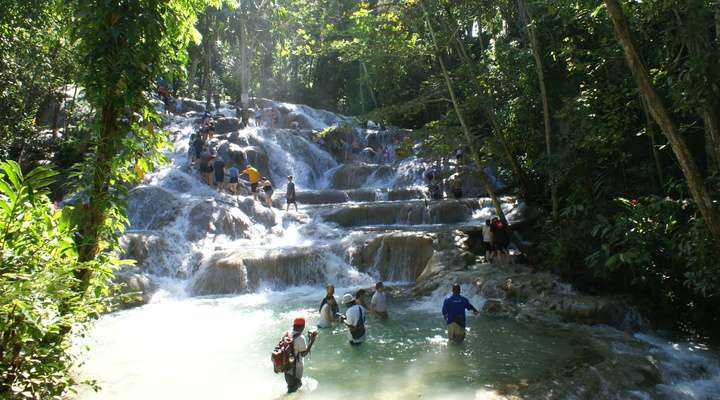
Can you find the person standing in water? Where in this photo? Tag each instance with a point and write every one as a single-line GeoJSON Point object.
{"type": "Point", "coordinates": [290, 193]}
{"type": "Point", "coordinates": [453, 311]}
{"type": "Point", "coordinates": [327, 316]}
{"type": "Point", "coordinates": [300, 348]}
{"type": "Point", "coordinates": [330, 293]}
{"type": "Point", "coordinates": [354, 317]}
{"type": "Point", "coordinates": [268, 189]}
{"type": "Point", "coordinates": [378, 303]}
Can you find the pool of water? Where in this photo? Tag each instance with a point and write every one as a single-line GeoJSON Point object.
{"type": "Point", "coordinates": [218, 348]}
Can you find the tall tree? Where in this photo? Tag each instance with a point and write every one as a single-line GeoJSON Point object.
{"type": "Point", "coordinates": [662, 117]}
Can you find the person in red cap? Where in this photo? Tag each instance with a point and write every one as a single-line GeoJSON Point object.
{"type": "Point", "coordinates": [301, 348]}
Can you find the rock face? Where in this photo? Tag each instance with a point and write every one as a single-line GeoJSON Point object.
{"type": "Point", "coordinates": [191, 105]}
{"type": "Point", "coordinates": [222, 274]}
{"type": "Point", "coordinates": [232, 154]}
{"type": "Point", "coordinates": [152, 207]}
{"type": "Point", "coordinates": [354, 176]}
{"type": "Point", "coordinates": [397, 256]}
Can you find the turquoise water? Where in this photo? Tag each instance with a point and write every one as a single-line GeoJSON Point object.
{"type": "Point", "coordinates": [219, 348]}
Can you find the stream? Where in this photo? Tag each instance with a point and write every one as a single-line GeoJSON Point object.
{"type": "Point", "coordinates": [229, 275]}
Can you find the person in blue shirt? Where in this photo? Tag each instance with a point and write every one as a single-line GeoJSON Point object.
{"type": "Point", "coordinates": [453, 311]}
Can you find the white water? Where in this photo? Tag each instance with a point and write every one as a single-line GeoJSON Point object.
{"type": "Point", "coordinates": [183, 347]}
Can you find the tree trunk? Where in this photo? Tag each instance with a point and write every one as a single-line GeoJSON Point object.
{"type": "Point", "coordinates": [690, 170]}
{"type": "Point", "coordinates": [207, 50]}
{"type": "Point", "coordinates": [470, 142]}
{"type": "Point", "coordinates": [367, 81]}
{"type": "Point", "coordinates": [653, 143]}
{"type": "Point", "coordinates": [191, 78]}
{"type": "Point", "coordinates": [545, 102]}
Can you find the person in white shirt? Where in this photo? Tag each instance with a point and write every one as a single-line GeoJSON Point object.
{"type": "Point", "coordinates": [487, 240]}
{"type": "Point", "coordinates": [354, 317]}
{"type": "Point", "coordinates": [327, 316]}
{"type": "Point", "coordinates": [378, 303]}
{"type": "Point", "coordinates": [293, 377]}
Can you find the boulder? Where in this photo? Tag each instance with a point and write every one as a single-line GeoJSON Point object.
{"type": "Point", "coordinates": [137, 288]}
{"type": "Point", "coordinates": [191, 105]}
{"type": "Point", "coordinates": [223, 273]}
{"type": "Point", "coordinates": [256, 157]}
{"type": "Point", "coordinates": [232, 154]}
{"type": "Point", "coordinates": [449, 211]}
{"type": "Point", "coordinates": [210, 217]}
{"type": "Point", "coordinates": [258, 212]}
{"type": "Point", "coordinates": [152, 207]}
{"type": "Point", "coordinates": [226, 125]}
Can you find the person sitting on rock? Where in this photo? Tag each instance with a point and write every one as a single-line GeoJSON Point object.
{"type": "Point", "coordinates": [354, 317]}
{"type": "Point", "coordinates": [290, 193]}
{"type": "Point", "coordinates": [453, 310]}
{"type": "Point", "coordinates": [327, 316]}
{"type": "Point", "coordinates": [378, 303]}
{"type": "Point", "coordinates": [254, 177]}
{"type": "Point", "coordinates": [330, 292]}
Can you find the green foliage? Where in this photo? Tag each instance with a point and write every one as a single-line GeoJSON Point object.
{"type": "Point", "coordinates": [38, 305]}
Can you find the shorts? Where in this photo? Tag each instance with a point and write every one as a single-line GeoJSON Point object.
{"type": "Point", "coordinates": [233, 179]}
{"type": "Point", "coordinates": [253, 187]}
{"type": "Point", "coordinates": [219, 178]}
{"type": "Point", "coordinates": [456, 333]}
{"type": "Point", "coordinates": [457, 193]}
{"type": "Point", "coordinates": [268, 191]}
{"type": "Point", "coordinates": [291, 200]}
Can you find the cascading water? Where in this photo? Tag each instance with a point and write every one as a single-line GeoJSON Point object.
{"type": "Point", "coordinates": [233, 274]}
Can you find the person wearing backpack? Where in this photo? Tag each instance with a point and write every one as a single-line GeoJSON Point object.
{"type": "Point", "coordinates": [354, 317]}
{"type": "Point", "coordinates": [289, 353]}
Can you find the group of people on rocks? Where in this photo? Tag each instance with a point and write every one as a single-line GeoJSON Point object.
{"type": "Point", "coordinates": [214, 169]}
{"type": "Point", "coordinates": [357, 308]}
{"type": "Point", "coordinates": [496, 237]}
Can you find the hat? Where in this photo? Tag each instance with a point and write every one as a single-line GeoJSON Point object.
{"type": "Point", "coordinates": [347, 298]}
{"type": "Point", "coordinates": [299, 321]}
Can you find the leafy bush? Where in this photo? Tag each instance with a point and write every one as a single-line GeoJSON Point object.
{"type": "Point", "coordinates": [40, 304]}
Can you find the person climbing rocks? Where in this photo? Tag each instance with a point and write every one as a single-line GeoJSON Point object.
{"type": "Point", "coordinates": [330, 293]}
{"type": "Point", "coordinates": [354, 317]}
{"type": "Point", "coordinates": [233, 173]}
{"type": "Point", "coordinates": [206, 169]}
{"type": "Point", "coordinates": [453, 311]}
{"type": "Point", "coordinates": [327, 316]}
{"type": "Point", "coordinates": [254, 177]}
{"type": "Point", "coordinates": [500, 240]}
{"type": "Point", "coordinates": [268, 189]}
{"type": "Point", "coordinates": [198, 145]}
{"type": "Point", "coordinates": [205, 118]}
{"type": "Point", "coordinates": [487, 240]}
{"type": "Point", "coordinates": [300, 349]}
{"type": "Point", "coordinates": [456, 186]}
{"type": "Point", "coordinates": [378, 303]}
{"type": "Point", "coordinates": [459, 158]}
{"type": "Point", "coordinates": [219, 169]}
{"type": "Point", "coordinates": [290, 193]}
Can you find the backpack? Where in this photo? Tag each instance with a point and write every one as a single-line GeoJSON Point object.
{"type": "Point", "coordinates": [359, 331]}
{"type": "Point", "coordinates": [283, 355]}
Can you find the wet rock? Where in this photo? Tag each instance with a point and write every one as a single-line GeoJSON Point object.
{"type": "Point", "coordinates": [137, 288]}
{"type": "Point", "coordinates": [404, 194]}
{"type": "Point", "coordinates": [152, 207]}
{"type": "Point", "coordinates": [321, 197]}
{"type": "Point", "coordinates": [224, 273]}
{"type": "Point", "coordinates": [257, 157]}
{"type": "Point", "coordinates": [226, 125]}
{"type": "Point", "coordinates": [498, 308]}
{"type": "Point", "coordinates": [232, 154]}
{"type": "Point", "coordinates": [258, 212]}
{"type": "Point", "coordinates": [449, 211]}
{"type": "Point", "coordinates": [354, 176]}
{"type": "Point", "coordinates": [404, 213]}
{"type": "Point", "coordinates": [396, 256]}
{"type": "Point", "coordinates": [192, 105]}
{"type": "Point", "coordinates": [238, 272]}
{"type": "Point", "coordinates": [210, 217]}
